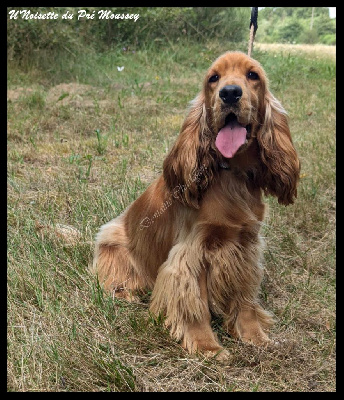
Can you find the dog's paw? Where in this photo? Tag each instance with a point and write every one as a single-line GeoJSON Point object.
{"type": "Point", "coordinates": [125, 294]}
{"type": "Point", "coordinates": [221, 355]}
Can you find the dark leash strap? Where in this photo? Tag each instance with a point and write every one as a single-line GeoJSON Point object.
{"type": "Point", "coordinates": [253, 28]}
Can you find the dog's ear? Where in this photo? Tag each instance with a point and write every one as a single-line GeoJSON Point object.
{"type": "Point", "coordinates": [278, 153]}
{"type": "Point", "coordinates": [188, 167]}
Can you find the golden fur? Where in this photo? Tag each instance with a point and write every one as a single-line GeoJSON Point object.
{"type": "Point", "coordinates": [193, 236]}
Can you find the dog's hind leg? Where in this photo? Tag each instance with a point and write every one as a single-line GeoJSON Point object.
{"type": "Point", "coordinates": [112, 264]}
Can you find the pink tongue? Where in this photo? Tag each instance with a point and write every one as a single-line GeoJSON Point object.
{"type": "Point", "coordinates": [230, 138]}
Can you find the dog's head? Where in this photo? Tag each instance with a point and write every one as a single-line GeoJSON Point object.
{"type": "Point", "coordinates": [234, 88]}
{"type": "Point", "coordinates": [235, 110]}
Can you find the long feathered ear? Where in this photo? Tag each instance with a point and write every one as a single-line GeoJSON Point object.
{"type": "Point", "coordinates": [278, 153]}
{"type": "Point", "coordinates": [188, 167]}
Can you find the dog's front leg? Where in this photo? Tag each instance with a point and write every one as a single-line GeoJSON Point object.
{"type": "Point", "coordinates": [180, 294]}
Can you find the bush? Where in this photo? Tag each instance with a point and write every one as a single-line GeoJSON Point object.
{"type": "Point", "coordinates": [329, 39]}
{"type": "Point", "coordinates": [309, 36]}
{"type": "Point", "coordinates": [155, 24]}
{"type": "Point", "coordinates": [290, 32]}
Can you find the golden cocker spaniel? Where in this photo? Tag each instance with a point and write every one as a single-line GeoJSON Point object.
{"type": "Point", "coordinates": [193, 236]}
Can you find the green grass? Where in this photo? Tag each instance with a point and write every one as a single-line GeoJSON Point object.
{"type": "Point", "coordinates": [84, 141]}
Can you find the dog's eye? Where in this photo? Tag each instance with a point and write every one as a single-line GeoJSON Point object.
{"type": "Point", "coordinates": [253, 76]}
{"type": "Point", "coordinates": [213, 78]}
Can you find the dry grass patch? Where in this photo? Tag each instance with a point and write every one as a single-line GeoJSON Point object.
{"type": "Point", "coordinates": [313, 50]}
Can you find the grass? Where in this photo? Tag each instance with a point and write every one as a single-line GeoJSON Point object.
{"type": "Point", "coordinates": [84, 141]}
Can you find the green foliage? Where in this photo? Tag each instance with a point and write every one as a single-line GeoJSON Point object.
{"type": "Point", "coordinates": [154, 25]}
{"type": "Point", "coordinates": [309, 36]}
{"type": "Point", "coordinates": [296, 25]}
{"type": "Point", "coordinates": [329, 39]}
{"type": "Point", "coordinates": [288, 32]}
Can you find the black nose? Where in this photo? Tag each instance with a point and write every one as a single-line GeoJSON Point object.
{"type": "Point", "coordinates": [230, 94]}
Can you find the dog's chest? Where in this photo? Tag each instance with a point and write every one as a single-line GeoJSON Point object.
{"type": "Point", "coordinates": [232, 201]}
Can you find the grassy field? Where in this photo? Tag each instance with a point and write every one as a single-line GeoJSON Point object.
{"type": "Point", "coordinates": [85, 138]}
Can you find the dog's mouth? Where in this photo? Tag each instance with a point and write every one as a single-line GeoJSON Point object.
{"type": "Point", "coordinates": [232, 136]}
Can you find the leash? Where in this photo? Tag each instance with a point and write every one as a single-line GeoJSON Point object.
{"type": "Point", "coordinates": [253, 28]}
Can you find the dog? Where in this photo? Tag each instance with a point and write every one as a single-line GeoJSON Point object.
{"type": "Point", "coordinates": [193, 237]}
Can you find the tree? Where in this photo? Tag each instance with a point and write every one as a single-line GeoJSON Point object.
{"type": "Point", "coordinates": [290, 32]}
{"type": "Point", "coordinates": [296, 25]}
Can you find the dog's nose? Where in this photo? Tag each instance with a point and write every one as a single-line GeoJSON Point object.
{"type": "Point", "coordinates": [230, 94]}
